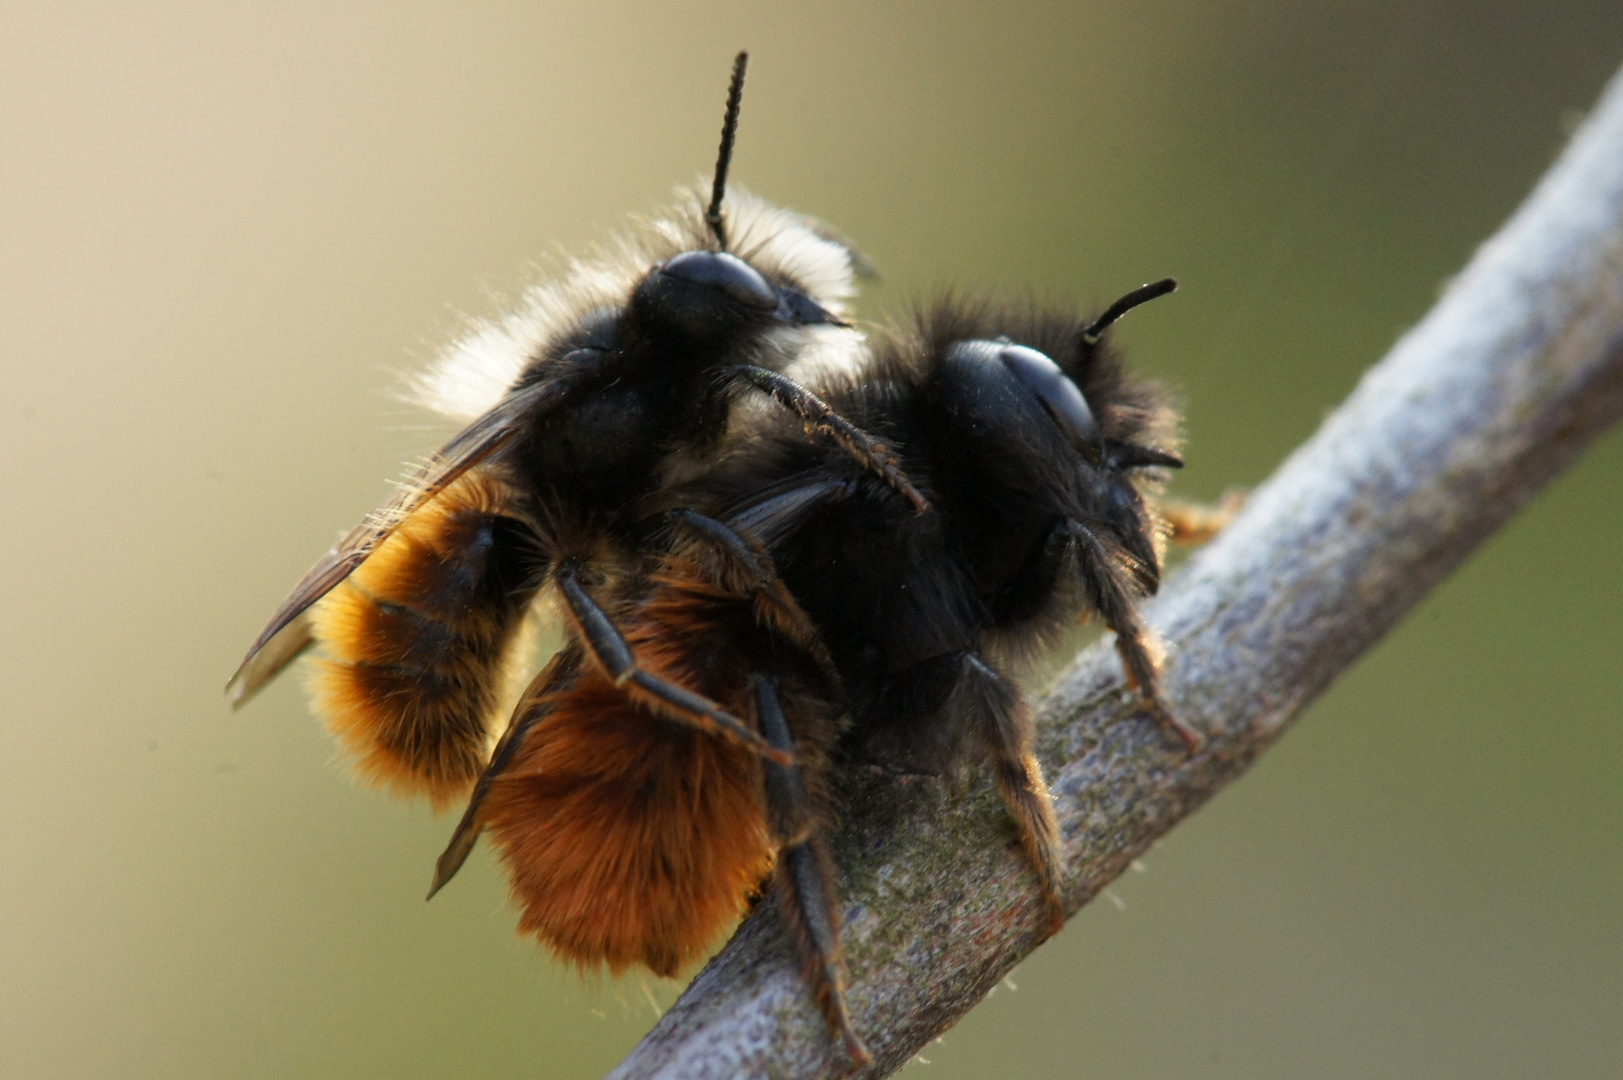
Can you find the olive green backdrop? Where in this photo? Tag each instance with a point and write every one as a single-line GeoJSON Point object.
{"type": "Point", "coordinates": [222, 228]}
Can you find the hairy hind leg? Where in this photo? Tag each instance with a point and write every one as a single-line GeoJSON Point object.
{"type": "Point", "coordinates": [804, 877]}
{"type": "Point", "coordinates": [533, 706]}
{"type": "Point", "coordinates": [740, 566]}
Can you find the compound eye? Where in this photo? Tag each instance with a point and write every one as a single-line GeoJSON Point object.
{"type": "Point", "coordinates": [1059, 396]}
{"type": "Point", "coordinates": [736, 278]}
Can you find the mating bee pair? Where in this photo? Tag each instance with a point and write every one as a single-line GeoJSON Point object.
{"type": "Point", "coordinates": [775, 545]}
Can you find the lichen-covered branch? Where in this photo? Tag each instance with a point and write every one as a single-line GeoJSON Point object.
{"type": "Point", "coordinates": [1510, 375]}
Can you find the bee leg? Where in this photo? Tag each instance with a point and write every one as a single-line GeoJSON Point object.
{"type": "Point", "coordinates": [804, 879]}
{"type": "Point", "coordinates": [608, 649]}
{"type": "Point", "coordinates": [817, 415]}
{"type": "Point", "coordinates": [1135, 644]}
{"type": "Point", "coordinates": [531, 709]}
{"type": "Point", "coordinates": [739, 564]}
{"type": "Point", "coordinates": [1197, 522]}
{"type": "Point", "coordinates": [1003, 725]}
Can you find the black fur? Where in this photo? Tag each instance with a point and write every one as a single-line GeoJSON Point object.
{"type": "Point", "coordinates": [994, 572]}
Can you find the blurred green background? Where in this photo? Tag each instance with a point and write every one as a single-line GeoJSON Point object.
{"type": "Point", "coordinates": [224, 227]}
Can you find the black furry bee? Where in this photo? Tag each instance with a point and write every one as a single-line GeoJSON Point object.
{"type": "Point", "coordinates": [892, 643]}
{"type": "Point", "coordinates": [615, 383]}
{"type": "Point", "coordinates": [1032, 444]}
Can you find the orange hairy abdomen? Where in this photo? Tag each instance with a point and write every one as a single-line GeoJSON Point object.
{"type": "Point", "coordinates": [415, 645]}
{"type": "Point", "coordinates": [628, 839]}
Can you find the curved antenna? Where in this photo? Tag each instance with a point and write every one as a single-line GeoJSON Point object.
{"type": "Point", "coordinates": [729, 131]}
{"type": "Point", "coordinates": [1141, 295]}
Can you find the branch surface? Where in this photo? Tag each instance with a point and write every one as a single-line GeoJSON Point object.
{"type": "Point", "coordinates": [1510, 375]}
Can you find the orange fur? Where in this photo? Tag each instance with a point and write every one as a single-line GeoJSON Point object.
{"type": "Point", "coordinates": [413, 664]}
{"type": "Point", "coordinates": [630, 838]}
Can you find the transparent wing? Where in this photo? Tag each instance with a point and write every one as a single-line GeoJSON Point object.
{"type": "Point", "coordinates": [288, 632]}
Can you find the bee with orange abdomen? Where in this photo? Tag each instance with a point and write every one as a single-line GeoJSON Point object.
{"type": "Point", "coordinates": [628, 841]}
{"type": "Point", "coordinates": [617, 381]}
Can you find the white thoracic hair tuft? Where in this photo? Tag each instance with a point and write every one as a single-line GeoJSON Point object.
{"type": "Point", "coordinates": [470, 376]}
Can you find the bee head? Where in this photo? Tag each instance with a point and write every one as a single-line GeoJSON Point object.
{"type": "Point", "coordinates": [709, 296]}
{"type": "Point", "coordinates": [713, 296]}
{"type": "Point", "coordinates": [1041, 386]}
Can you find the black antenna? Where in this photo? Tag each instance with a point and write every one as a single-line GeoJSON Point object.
{"type": "Point", "coordinates": [1141, 295]}
{"type": "Point", "coordinates": [729, 131]}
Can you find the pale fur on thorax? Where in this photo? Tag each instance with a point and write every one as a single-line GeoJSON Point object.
{"type": "Point", "coordinates": [471, 375]}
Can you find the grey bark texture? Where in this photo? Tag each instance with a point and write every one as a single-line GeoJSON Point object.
{"type": "Point", "coordinates": [1511, 374]}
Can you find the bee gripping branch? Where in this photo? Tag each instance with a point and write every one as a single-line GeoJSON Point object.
{"type": "Point", "coordinates": [1515, 370]}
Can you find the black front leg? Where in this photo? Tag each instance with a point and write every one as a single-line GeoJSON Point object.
{"type": "Point", "coordinates": [815, 413]}
{"type": "Point", "coordinates": [1107, 589]}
